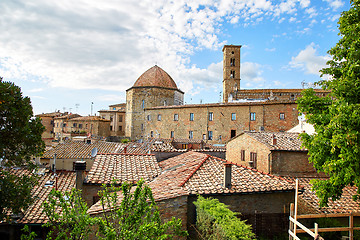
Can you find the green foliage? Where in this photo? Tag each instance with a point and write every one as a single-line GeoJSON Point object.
{"type": "Point", "coordinates": [216, 221]}
{"type": "Point", "coordinates": [335, 148]}
{"type": "Point", "coordinates": [67, 215]}
{"type": "Point", "coordinates": [135, 217]}
{"type": "Point", "coordinates": [125, 140]}
{"type": "Point", "coordinates": [20, 141]}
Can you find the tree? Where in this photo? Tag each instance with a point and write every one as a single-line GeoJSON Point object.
{"type": "Point", "coordinates": [20, 140]}
{"type": "Point", "coordinates": [125, 214]}
{"type": "Point", "coordinates": [335, 148]}
{"type": "Point", "coordinates": [215, 220]}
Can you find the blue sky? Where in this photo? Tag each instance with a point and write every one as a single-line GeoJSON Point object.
{"type": "Point", "coordinates": [67, 54]}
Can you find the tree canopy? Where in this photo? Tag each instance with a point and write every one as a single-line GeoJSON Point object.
{"type": "Point", "coordinates": [20, 141]}
{"type": "Point", "coordinates": [335, 148]}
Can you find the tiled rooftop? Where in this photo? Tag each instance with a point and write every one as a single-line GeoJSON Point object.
{"type": "Point", "coordinates": [198, 173]}
{"type": "Point", "coordinates": [53, 114]}
{"type": "Point", "coordinates": [34, 214]}
{"type": "Point", "coordinates": [90, 118]}
{"type": "Point", "coordinates": [284, 140]}
{"type": "Point", "coordinates": [73, 150]}
{"type": "Point", "coordinates": [123, 167]}
{"type": "Point", "coordinates": [157, 77]}
{"type": "Point", "coordinates": [344, 205]}
{"type": "Point", "coordinates": [284, 90]}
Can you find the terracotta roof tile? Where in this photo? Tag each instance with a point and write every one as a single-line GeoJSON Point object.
{"type": "Point", "coordinates": [123, 167]}
{"type": "Point", "coordinates": [73, 150]}
{"type": "Point", "coordinates": [155, 77]}
{"type": "Point", "coordinates": [65, 182]}
{"type": "Point", "coordinates": [284, 140]}
{"type": "Point", "coordinates": [344, 205]}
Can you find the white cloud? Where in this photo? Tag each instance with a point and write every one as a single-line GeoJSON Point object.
{"type": "Point", "coordinates": [36, 90]}
{"type": "Point", "coordinates": [335, 4]}
{"type": "Point", "coordinates": [251, 74]}
{"type": "Point", "coordinates": [308, 60]}
{"type": "Point", "coordinates": [108, 44]}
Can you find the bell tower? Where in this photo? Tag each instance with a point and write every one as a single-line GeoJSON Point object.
{"type": "Point", "coordinates": [231, 71]}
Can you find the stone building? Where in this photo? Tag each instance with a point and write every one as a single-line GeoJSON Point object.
{"type": "Point", "coordinates": [116, 115]}
{"type": "Point", "coordinates": [48, 121]}
{"type": "Point", "coordinates": [153, 88]}
{"type": "Point", "coordinates": [62, 130]}
{"type": "Point", "coordinates": [90, 125]}
{"type": "Point", "coordinates": [278, 153]}
{"type": "Point", "coordinates": [218, 122]}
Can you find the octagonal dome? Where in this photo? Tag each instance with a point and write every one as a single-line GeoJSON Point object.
{"type": "Point", "coordinates": [155, 77]}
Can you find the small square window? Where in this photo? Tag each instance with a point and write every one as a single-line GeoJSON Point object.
{"type": "Point", "coordinates": [210, 135]}
{"type": "Point", "coordinates": [211, 116]}
{"type": "Point", "coordinates": [233, 116]}
{"type": "Point", "coordinates": [282, 116]}
{"type": "Point", "coordinates": [191, 116]}
{"type": "Point", "coordinates": [176, 117]}
{"type": "Point", "coordinates": [252, 116]}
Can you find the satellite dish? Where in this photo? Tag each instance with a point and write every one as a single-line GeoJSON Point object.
{"type": "Point", "coordinates": [94, 151]}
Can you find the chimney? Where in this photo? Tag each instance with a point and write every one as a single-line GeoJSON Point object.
{"type": "Point", "coordinates": [125, 148]}
{"type": "Point", "coordinates": [80, 167]}
{"type": "Point", "coordinates": [274, 140]}
{"type": "Point", "coordinates": [227, 175]}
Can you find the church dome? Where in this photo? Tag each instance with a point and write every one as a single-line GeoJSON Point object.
{"type": "Point", "coordinates": [155, 77]}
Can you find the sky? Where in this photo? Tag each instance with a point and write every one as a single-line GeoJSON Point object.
{"type": "Point", "coordinates": [81, 56]}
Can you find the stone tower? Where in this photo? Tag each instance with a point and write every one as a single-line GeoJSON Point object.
{"type": "Point", "coordinates": [153, 88]}
{"type": "Point", "coordinates": [231, 71]}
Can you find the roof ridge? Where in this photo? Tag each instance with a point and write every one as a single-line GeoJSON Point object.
{"type": "Point", "coordinates": [136, 154]}
{"type": "Point", "coordinates": [192, 173]}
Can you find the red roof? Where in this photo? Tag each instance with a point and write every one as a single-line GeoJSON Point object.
{"type": "Point", "coordinates": [123, 167]}
{"type": "Point", "coordinates": [155, 77]}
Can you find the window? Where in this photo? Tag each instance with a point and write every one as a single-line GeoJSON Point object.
{"type": "Point", "coordinates": [292, 97]}
{"type": "Point", "coordinates": [176, 117]}
{"type": "Point", "coordinates": [242, 155]}
{"type": "Point", "coordinates": [111, 118]}
{"type": "Point", "coordinates": [110, 128]}
{"type": "Point", "coordinates": [165, 102]}
{"type": "Point", "coordinates": [159, 117]}
{"type": "Point", "coordinates": [190, 134]}
{"type": "Point", "coordinates": [120, 128]}
{"type": "Point", "coordinates": [252, 116]}
{"type": "Point", "coordinates": [148, 117]}
{"type": "Point", "coordinates": [172, 134]}
{"type": "Point", "coordinates": [64, 124]}
{"type": "Point", "coordinates": [210, 135]}
{"type": "Point", "coordinates": [253, 159]}
{"type": "Point", "coordinates": [80, 125]}
{"type": "Point", "coordinates": [142, 127]}
{"type": "Point", "coordinates": [282, 116]}
{"type": "Point", "coordinates": [232, 62]}
{"type": "Point", "coordinates": [232, 74]}
{"type": "Point", "coordinates": [114, 108]}
{"type": "Point", "coordinates": [151, 133]}
{"type": "Point", "coordinates": [143, 104]}
{"type": "Point", "coordinates": [204, 136]}
{"type": "Point", "coordinates": [211, 116]}
{"type": "Point", "coordinates": [191, 116]}
{"type": "Point", "coordinates": [74, 125]}
{"type": "Point", "coordinates": [184, 146]}
{"type": "Point", "coordinates": [232, 133]}
{"type": "Point", "coordinates": [120, 118]}
{"type": "Point", "coordinates": [233, 116]}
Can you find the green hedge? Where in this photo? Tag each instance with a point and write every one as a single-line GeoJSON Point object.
{"type": "Point", "coordinates": [216, 221]}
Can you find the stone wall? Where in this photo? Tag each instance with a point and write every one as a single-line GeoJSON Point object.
{"type": "Point", "coordinates": [140, 98]}
{"type": "Point", "coordinates": [222, 124]}
{"type": "Point", "coordinates": [90, 191]}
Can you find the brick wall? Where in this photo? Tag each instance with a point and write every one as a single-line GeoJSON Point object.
{"type": "Point", "coordinates": [266, 117]}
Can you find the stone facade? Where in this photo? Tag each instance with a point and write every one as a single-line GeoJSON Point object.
{"type": "Point", "coordinates": [231, 71]}
{"type": "Point", "coordinates": [116, 115]}
{"type": "Point", "coordinates": [93, 125]}
{"type": "Point", "coordinates": [273, 160]}
{"type": "Point", "coordinates": [143, 95]}
{"type": "Point", "coordinates": [47, 120]}
{"type": "Point", "coordinates": [217, 123]}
